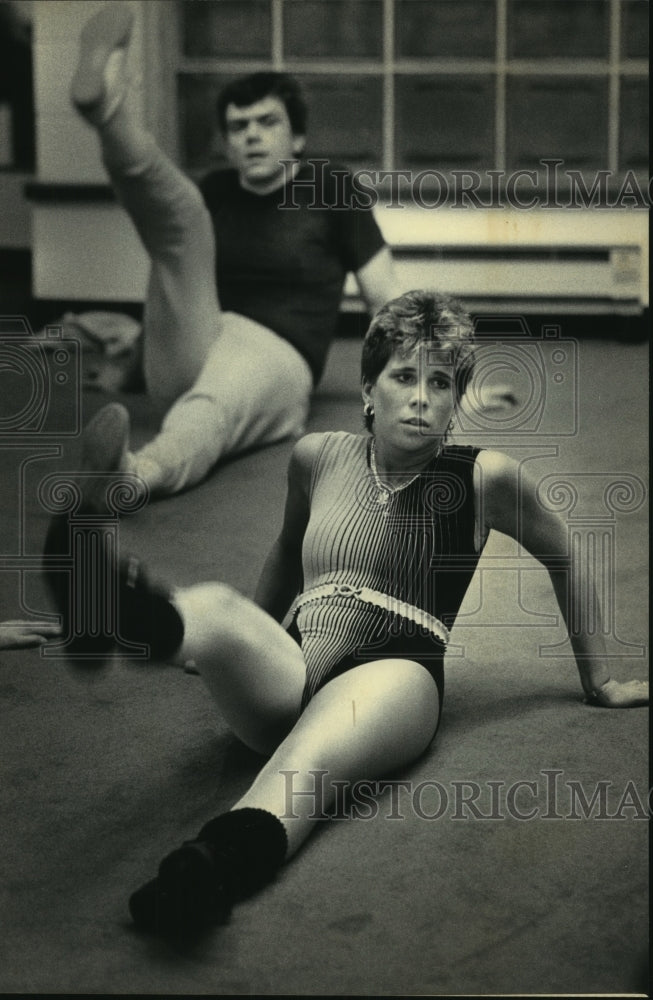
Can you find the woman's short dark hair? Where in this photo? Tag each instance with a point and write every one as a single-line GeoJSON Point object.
{"type": "Point", "coordinates": [418, 316]}
{"type": "Point", "coordinates": [248, 90]}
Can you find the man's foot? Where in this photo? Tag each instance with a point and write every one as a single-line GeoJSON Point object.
{"type": "Point", "coordinates": [99, 84]}
{"type": "Point", "coordinates": [105, 443]}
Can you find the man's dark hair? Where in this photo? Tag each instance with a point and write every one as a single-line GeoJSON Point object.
{"type": "Point", "coordinates": [248, 90]}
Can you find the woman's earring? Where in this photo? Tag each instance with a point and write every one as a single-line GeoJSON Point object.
{"type": "Point", "coordinates": [450, 427]}
{"type": "Point", "coordinates": [368, 410]}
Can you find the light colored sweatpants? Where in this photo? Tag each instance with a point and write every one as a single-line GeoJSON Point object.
{"type": "Point", "coordinates": [230, 383]}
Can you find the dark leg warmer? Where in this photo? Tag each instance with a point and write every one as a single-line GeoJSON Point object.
{"type": "Point", "coordinates": [234, 855]}
{"type": "Point", "coordinates": [146, 613]}
{"type": "Point", "coordinates": [139, 611]}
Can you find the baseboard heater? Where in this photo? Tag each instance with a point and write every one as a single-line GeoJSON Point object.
{"type": "Point", "coordinates": [565, 278]}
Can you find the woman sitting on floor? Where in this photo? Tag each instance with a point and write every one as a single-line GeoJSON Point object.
{"type": "Point", "coordinates": [381, 535]}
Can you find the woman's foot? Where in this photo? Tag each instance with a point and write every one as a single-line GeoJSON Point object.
{"type": "Point", "coordinates": [234, 855]}
{"type": "Point", "coordinates": [185, 903]}
{"type": "Point", "coordinates": [100, 83]}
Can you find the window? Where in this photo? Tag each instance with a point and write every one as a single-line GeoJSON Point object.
{"type": "Point", "coordinates": [430, 84]}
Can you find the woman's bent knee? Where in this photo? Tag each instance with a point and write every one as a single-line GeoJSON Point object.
{"type": "Point", "coordinates": [206, 597]}
{"type": "Point", "coordinates": [205, 609]}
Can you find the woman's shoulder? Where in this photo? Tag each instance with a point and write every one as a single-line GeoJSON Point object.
{"type": "Point", "coordinates": [321, 456]}
{"type": "Point", "coordinates": [320, 440]}
{"type": "Point", "coordinates": [496, 465]}
{"type": "Point", "coordinates": [314, 446]}
{"type": "Point", "coordinates": [508, 492]}
{"type": "Point", "coordinates": [460, 459]}
{"type": "Point", "coordinates": [499, 478]}
{"type": "Point", "coordinates": [461, 452]}
{"type": "Point", "coordinates": [491, 461]}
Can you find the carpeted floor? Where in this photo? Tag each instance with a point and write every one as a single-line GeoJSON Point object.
{"type": "Point", "coordinates": [102, 774]}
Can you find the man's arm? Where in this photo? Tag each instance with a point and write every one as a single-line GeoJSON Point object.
{"type": "Point", "coordinates": [281, 577]}
{"type": "Point", "coordinates": [509, 503]}
{"type": "Point", "coordinates": [377, 280]}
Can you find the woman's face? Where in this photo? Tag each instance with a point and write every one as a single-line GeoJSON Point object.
{"type": "Point", "coordinates": [413, 399]}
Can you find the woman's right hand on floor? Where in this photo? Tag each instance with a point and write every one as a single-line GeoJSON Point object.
{"type": "Point", "coordinates": [26, 635]}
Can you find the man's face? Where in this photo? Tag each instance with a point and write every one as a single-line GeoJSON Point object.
{"type": "Point", "coordinates": [257, 138]}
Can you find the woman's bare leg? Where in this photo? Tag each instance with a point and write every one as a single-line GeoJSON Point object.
{"type": "Point", "coordinates": [252, 667]}
{"type": "Point", "coordinates": [362, 725]}
{"type": "Point", "coordinates": [365, 724]}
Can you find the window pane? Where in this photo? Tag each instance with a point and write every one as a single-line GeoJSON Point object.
{"type": "Point", "coordinates": [445, 121]}
{"type": "Point", "coordinates": [344, 118]}
{"type": "Point", "coordinates": [557, 117]}
{"type": "Point", "coordinates": [554, 29]}
{"type": "Point", "coordinates": [227, 28]}
{"type": "Point", "coordinates": [633, 151]}
{"type": "Point", "coordinates": [340, 28]}
{"type": "Point", "coordinates": [634, 29]}
{"type": "Point", "coordinates": [462, 28]}
{"type": "Point", "coordinates": [199, 139]}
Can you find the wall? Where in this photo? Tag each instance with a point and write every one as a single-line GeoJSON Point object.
{"type": "Point", "coordinates": [83, 248]}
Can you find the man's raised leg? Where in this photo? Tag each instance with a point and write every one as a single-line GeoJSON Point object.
{"type": "Point", "coordinates": [182, 313]}
{"type": "Point", "coordinates": [232, 397]}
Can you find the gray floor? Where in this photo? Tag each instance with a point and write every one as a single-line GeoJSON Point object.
{"type": "Point", "coordinates": [102, 775]}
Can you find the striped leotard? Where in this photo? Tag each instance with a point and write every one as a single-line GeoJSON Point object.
{"type": "Point", "coordinates": [418, 548]}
